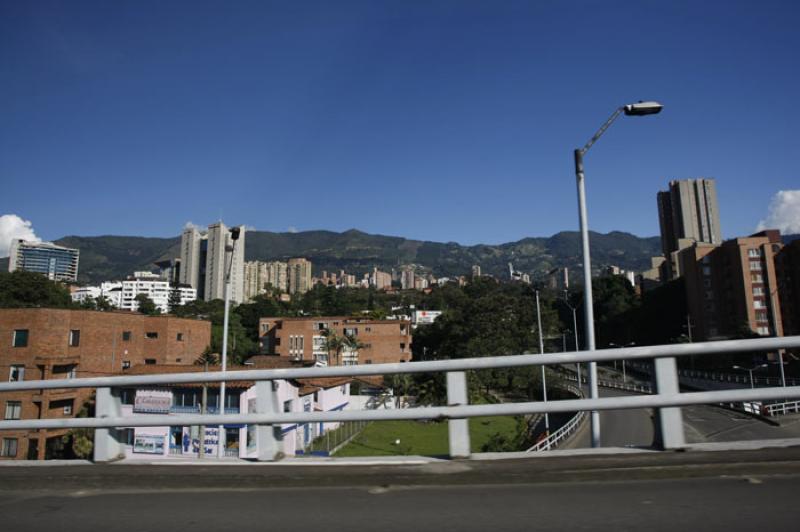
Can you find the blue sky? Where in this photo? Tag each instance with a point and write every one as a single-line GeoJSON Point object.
{"type": "Point", "coordinates": [438, 120]}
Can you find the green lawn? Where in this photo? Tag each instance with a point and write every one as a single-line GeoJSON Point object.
{"type": "Point", "coordinates": [379, 438]}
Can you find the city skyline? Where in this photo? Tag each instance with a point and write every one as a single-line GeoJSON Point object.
{"type": "Point", "coordinates": [448, 121]}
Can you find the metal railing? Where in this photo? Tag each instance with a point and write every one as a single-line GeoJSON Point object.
{"type": "Point", "coordinates": [551, 441]}
{"type": "Point", "coordinates": [667, 398]}
{"type": "Point", "coordinates": [779, 409]}
{"type": "Point", "coordinates": [560, 435]}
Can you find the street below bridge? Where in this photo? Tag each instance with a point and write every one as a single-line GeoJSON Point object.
{"type": "Point", "coordinates": [701, 423]}
{"type": "Point", "coordinates": [723, 490]}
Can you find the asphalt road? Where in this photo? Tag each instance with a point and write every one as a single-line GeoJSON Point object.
{"type": "Point", "coordinates": [702, 424]}
{"type": "Point", "coordinates": [728, 491]}
{"type": "Point", "coordinates": [618, 428]}
{"type": "Point", "coordinates": [713, 424]}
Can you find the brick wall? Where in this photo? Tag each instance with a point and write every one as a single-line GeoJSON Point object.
{"type": "Point", "coordinates": [108, 342]}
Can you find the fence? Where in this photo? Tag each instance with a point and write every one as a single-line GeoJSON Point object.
{"type": "Point", "coordinates": [561, 434]}
{"type": "Point", "coordinates": [667, 398]}
{"type": "Point", "coordinates": [777, 409]}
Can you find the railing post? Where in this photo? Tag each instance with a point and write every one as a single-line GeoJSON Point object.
{"type": "Point", "coordinates": [458, 429]}
{"type": "Point", "coordinates": [268, 437]}
{"type": "Point", "coordinates": [107, 446]}
{"type": "Point", "coordinates": [669, 420]}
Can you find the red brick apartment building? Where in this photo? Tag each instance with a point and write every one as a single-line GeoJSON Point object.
{"type": "Point", "coordinates": [733, 285]}
{"type": "Point", "coordinates": [38, 344]}
{"type": "Point", "coordinates": [384, 341]}
{"type": "Point", "coordinates": [787, 264]}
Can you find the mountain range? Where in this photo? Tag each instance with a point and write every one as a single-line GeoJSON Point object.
{"type": "Point", "coordinates": [106, 258]}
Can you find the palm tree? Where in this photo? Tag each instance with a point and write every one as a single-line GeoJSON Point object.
{"type": "Point", "coordinates": [333, 343]}
{"type": "Point", "coordinates": [352, 343]}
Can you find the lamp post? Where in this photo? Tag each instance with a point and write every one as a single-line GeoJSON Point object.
{"type": "Point", "coordinates": [636, 109]}
{"type": "Point", "coordinates": [631, 344]}
{"type": "Point", "coordinates": [221, 436]}
{"type": "Point", "coordinates": [544, 378]}
{"type": "Point", "coordinates": [575, 330]}
{"type": "Point", "coordinates": [750, 371]}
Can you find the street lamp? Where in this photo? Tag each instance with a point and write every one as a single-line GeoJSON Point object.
{"type": "Point", "coordinates": [635, 109]}
{"type": "Point", "coordinates": [750, 371]}
{"type": "Point", "coordinates": [544, 378]}
{"type": "Point", "coordinates": [631, 344]}
{"type": "Point", "coordinates": [575, 330]}
{"type": "Point", "coordinates": [221, 436]}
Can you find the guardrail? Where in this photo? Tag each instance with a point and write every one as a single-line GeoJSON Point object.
{"type": "Point", "coordinates": [552, 440]}
{"type": "Point", "coordinates": [778, 409]}
{"type": "Point", "coordinates": [667, 398]}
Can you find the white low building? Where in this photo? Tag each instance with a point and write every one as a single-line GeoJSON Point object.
{"type": "Point", "coordinates": [176, 440]}
{"type": "Point", "coordinates": [123, 294]}
{"type": "Point", "coordinates": [111, 291]}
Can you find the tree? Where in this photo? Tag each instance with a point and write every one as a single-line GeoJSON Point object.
{"type": "Point", "coordinates": [207, 358]}
{"type": "Point", "coordinates": [333, 344]}
{"type": "Point", "coordinates": [20, 289]}
{"type": "Point", "coordinates": [174, 299]}
{"type": "Point", "coordinates": [146, 305]}
{"type": "Point", "coordinates": [81, 441]}
{"type": "Point", "coordinates": [353, 344]}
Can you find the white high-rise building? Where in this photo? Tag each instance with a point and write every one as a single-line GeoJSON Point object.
{"type": "Point", "coordinates": [193, 266]}
{"type": "Point", "coordinates": [204, 261]}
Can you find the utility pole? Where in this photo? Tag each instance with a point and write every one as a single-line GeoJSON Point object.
{"type": "Point", "coordinates": [201, 449]}
{"type": "Point", "coordinates": [541, 352]}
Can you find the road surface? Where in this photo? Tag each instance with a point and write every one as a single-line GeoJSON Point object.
{"type": "Point", "coordinates": [725, 491]}
{"type": "Point", "coordinates": [701, 423]}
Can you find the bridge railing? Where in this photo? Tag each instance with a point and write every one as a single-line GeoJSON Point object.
{"type": "Point", "coordinates": [268, 411]}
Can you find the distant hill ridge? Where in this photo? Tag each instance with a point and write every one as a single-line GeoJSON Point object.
{"type": "Point", "coordinates": [115, 257]}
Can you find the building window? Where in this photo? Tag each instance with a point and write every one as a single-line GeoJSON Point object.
{"type": "Point", "coordinates": [403, 348]}
{"type": "Point", "coordinates": [755, 253]}
{"type": "Point", "coordinates": [755, 265]}
{"type": "Point", "coordinates": [179, 337]}
{"type": "Point", "coordinates": [9, 448]}
{"type": "Point", "coordinates": [151, 334]}
{"type": "Point", "coordinates": [150, 361]}
{"type": "Point", "coordinates": [758, 291]}
{"type": "Point", "coordinates": [13, 409]}
{"type": "Point", "coordinates": [756, 278]}
{"type": "Point", "coordinates": [287, 406]}
{"type": "Point", "coordinates": [74, 338]}
{"type": "Point", "coordinates": [126, 364]}
{"type": "Point", "coordinates": [763, 331]}
{"type": "Point", "coordinates": [126, 336]}
{"type": "Point", "coordinates": [20, 338]}
{"type": "Point", "coordinates": [367, 329]}
{"type": "Point", "coordinates": [368, 361]}
{"type": "Point", "coordinates": [69, 371]}
{"type": "Point", "coordinates": [706, 270]}
{"type": "Point", "coordinates": [761, 315]}
{"type": "Point", "coordinates": [17, 373]}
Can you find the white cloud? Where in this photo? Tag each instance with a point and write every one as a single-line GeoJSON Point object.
{"type": "Point", "coordinates": [783, 213]}
{"type": "Point", "coordinates": [292, 229]}
{"type": "Point", "coordinates": [11, 227]}
{"type": "Point", "coordinates": [190, 225]}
